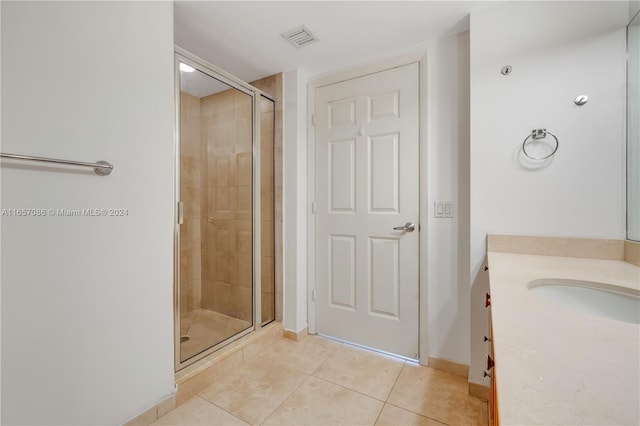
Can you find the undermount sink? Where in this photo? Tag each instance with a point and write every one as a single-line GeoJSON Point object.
{"type": "Point", "coordinates": [600, 299]}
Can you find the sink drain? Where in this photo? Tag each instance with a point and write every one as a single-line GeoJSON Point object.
{"type": "Point", "coordinates": [184, 339]}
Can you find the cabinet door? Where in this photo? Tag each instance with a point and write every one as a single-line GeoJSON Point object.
{"type": "Point", "coordinates": [493, 399]}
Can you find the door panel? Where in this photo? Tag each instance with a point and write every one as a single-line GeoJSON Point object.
{"type": "Point", "coordinates": [366, 184]}
{"type": "Point", "coordinates": [342, 175]}
{"type": "Point", "coordinates": [342, 266]}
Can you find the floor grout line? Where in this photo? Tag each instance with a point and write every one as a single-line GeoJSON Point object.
{"type": "Point", "coordinates": [221, 408]}
{"type": "Point", "coordinates": [395, 382]}
{"type": "Point", "coordinates": [417, 414]}
{"type": "Point", "coordinates": [349, 389]}
{"type": "Point", "coordinates": [305, 377]}
{"type": "Point", "coordinates": [285, 399]}
{"type": "Point", "coordinates": [389, 394]}
{"type": "Point", "coordinates": [325, 361]}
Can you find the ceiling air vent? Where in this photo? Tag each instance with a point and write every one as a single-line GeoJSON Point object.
{"type": "Point", "coordinates": [299, 37]}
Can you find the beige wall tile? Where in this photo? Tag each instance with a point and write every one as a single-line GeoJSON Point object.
{"type": "Point", "coordinates": [244, 242]}
{"type": "Point", "coordinates": [266, 105]}
{"type": "Point", "coordinates": [267, 130]}
{"type": "Point", "coordinates": [224, 137]}
{"type": "Point", "coordinates": [207, 301]}
{"type": "Point", "coordinates": [267, 274]}
{"type": "Point", "coordinates": [267, 167]}
{"type": "Point", "coordinates": [242, 302]}
{"type": "Point", "coordinates": [225, 240]}
{"type": "Point", "coordinates": [266, 203]}
{"type": "Point", "coordinates": [244, 136]}
{"type": "Point", "coordinates": [267, 85]}
{"type": "Point", "coordinates": [145, 418]}
{"type": "Point", "coordinates": [194, 263]}
{"type": "Point", "coordinates": [222, 298]}
{"type": "Point", "coordinates": [244, 268]}
{"type": "Point", "coordinates": [194, 295]}
{"type": "Point", "coordinates": [203, 230]}
{"type": "Point", "coordinates": [278, 203]}
{"type": "Point", "coordinates": [211, 200]}
{"type": "Point", "coordinates": [184, 236]}
{"type": "Point", "coordinates": [225, 267]}
{"type": "Point", "coordinates": [192, 204]}
{"type": "Point", "coordinates": [244, 169]}
{"type": "Point", "coordinates": [267, 243]}
{"type": "Point", "coordinates": [479, 391]}
{"type": "Point", "coordinates": [166, 406]}
{"type": "Point", "coordinates": [189, 176]}
{"type": "Point", "coordinates": [224, 203]}
{"type": "Point", "coordinates": [221, 171]}
{"type": "Point", "coordinates": [278, 239]}
{"type": "Point", "coordinates": [193, 234]}
{"type": "Point", "coordinates": [268, 246]}
{"type": "Point", "coordinates": [267, 302]}
{"type": "Point", "coordinates": [461, 370]}
{"type": "Point", "coordinates": [245, 199]}
{"type": "Point", "coordinates": [242, 106]}
{"type": "Point", "coordinates": [279, 295]}
{"type": "Point", "coordinates": [184, 296]}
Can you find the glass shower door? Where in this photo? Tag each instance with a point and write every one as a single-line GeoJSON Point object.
{"type": "Point", "coordinates": [216, 234]}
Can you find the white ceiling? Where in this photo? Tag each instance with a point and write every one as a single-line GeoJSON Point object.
{"type": "Point", "coordinates": [243, 37]}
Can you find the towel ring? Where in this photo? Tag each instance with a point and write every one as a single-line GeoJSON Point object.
{"type": "Point", "coordinates": [539, 134]}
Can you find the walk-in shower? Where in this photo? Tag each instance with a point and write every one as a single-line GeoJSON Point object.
{"type": "Point", "coordinates": [225, 285]}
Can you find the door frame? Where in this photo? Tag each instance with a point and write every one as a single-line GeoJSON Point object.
{"type": "Point", "coordinates": [352, 73]}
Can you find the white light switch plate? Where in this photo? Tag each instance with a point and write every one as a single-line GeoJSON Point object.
{"type": "Point", "coordinates": [443, 209]}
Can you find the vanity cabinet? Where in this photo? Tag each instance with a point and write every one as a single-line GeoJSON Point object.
{"type": "Point", "coordinates": [490, 370]}
{"type": "Point", "coordinates": [493, 396]}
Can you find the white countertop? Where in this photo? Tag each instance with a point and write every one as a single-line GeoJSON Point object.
{"type": "Point", "coordinates": [555, 365]}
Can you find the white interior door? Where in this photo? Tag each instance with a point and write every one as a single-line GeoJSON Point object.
{"type": "Point", "coordinates": [366, 185]}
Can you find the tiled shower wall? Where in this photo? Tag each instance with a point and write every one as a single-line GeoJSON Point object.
{"type": "Point", "coordinates": [216, 178]}
{"type": "Point", "coordinates": [269, 117]}
{"type": "Point", "coordinates": [191, 195]}
{"type": "Point", "coordinates": [226, 131]}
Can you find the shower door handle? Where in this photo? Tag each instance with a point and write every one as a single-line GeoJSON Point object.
{"type": "Point", "coordinates": [180, 212]}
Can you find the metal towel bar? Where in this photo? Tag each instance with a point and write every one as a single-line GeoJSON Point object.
{"type": "Point", "coordinates": [101, 168]}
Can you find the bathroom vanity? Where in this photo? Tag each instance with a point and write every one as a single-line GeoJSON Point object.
{"type": "Point", "coordinates": [555, 362]}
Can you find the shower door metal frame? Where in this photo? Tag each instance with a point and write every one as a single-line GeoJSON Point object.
{"type": "Point", "coordinates": [211, 70]}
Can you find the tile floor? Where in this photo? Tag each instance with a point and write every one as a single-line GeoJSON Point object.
{"type": "Point", "coordinates": [205, 329]}
{"type": "Point", "coordinates": [317, 381]}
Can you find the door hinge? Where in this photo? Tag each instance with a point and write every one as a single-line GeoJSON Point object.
{"type": "Point", "coordinates": [313, 119]}
{"type": "Point", "coordinates": [313, 295]}
{"type": "Point", "coordinates": [313, 207]}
